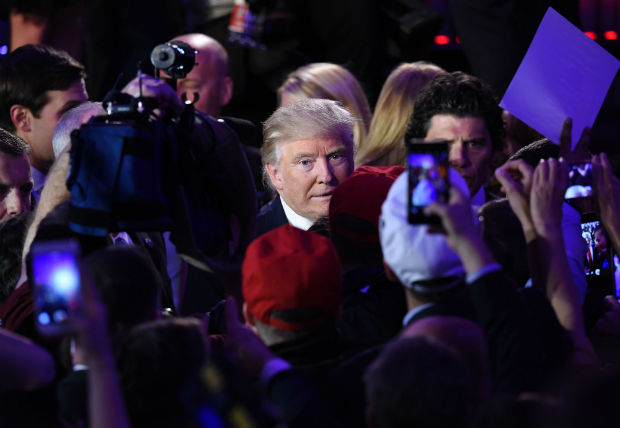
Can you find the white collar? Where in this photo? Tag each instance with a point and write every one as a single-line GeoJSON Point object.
{"type": "Point", "coordinates": [295, 219]}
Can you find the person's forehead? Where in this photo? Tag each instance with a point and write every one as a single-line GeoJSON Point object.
{"type": "Point", "coordinates": [317, 144]}
{"type": "Point", "coordinates": [14, 168]}
{"type": "Point", "coordinates": [207, 65]}
{"type": "Point", "coordinates": [447, 123]}
{"type": "Point", "coordinates": [63, 100]}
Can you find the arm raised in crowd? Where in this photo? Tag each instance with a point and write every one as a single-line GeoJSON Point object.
{"type": "Point", "coordinates": [461, 234]}
{"type": "Point", "coordinates": [106, 403]}
{"type": "Point", "coordinates": [540, 212]}
{"type": "Point", "coordinates": [516, 347]}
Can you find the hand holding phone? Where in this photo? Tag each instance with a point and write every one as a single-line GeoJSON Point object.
{"type": "Point", "coordinates": [56, 285]}
{"type": "Point", "coordinates": [427, 166]}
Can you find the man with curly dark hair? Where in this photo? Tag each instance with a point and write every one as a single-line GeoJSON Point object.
{"type": "Point", "coordinates": [463, 110]}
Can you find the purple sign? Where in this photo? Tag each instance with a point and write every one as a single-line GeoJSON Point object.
{"type": "Point", "coordinates": [563, 74]}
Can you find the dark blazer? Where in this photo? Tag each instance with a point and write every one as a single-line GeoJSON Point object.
{"type": "Point", "coordinates": [153, 243]}
{"type": "Point", "coordinates": [270, 216]}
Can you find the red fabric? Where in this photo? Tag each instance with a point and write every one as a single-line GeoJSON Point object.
{"type": "Point", "coordinates": [361, 195]}
{"type": "Point", "coordinates": [17, 307]}
{"type": "Point", "coordinates": [289, 268]}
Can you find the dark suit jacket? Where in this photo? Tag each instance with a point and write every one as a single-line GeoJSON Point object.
{"type": "Point", "coordinates": [153, 243]}
{"type": "Point", "coordinates": [270, 216]}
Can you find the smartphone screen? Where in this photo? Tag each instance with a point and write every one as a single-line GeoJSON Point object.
{"type": "Point", "coordinates": [427, 164]}
{"type": "Point", "coordinates": [579, 181]}
{"type": "Point", "coordinates": [597, 254]}
{"type": "Point", "coordinates": [56, 277]}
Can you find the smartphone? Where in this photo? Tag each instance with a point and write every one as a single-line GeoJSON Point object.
{"type": "Point", "coordinates": [56, 284]}
{"type": "Point", "coordinates": [428, 167]}
{"type": "Point", "coordinates": [602, 267]}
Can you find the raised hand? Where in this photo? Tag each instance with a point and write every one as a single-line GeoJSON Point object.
{"type": "Point", "coordinates": [516, 180]}
{"type": "Point", "coordinates": [461, 234]}
{"type": "Point", "coordinates": [581, 152]}
{"type": "Point", "coordinates": [547, 196]}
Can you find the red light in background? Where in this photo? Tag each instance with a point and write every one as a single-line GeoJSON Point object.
{"type": "Point", "coordinates": [591, 34]}
{"type": "Point", "coordinates": [611, 35]}
{"type": "Point", "coordinates": [456, 39]}
{"type": "Point", "coordinates": [442, 39]}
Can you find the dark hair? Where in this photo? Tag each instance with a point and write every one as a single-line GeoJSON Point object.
{"type": "Point", "coordinates": [460, 95]}
{"type": "Point", "coordinates": [13, 145]}
{"type": "Point", "coordinates": [534, 152]}
{"type": "Point", "coordinates": [128, 285]}
{"type": "Point", "coordinates": [156, 361]}
{"type": "Point", "coordinates": [27, 73]}
{"type": "Point", "coordinates": [416, 381]}
{"type": "Point", "coordinates": [12, 235]}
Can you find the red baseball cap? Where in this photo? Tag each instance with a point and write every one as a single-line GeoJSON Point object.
{"type": "Point", "coordinates": [292, 279]}
{"type": "Point", "coordinates": [361, 196]}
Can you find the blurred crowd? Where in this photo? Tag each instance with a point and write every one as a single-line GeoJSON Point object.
{"type": "Point", "coordinates": [304, 294]}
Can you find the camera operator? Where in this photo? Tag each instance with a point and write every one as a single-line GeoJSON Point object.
{"type": "Point", "coordinates": [210, 86]}
{"type": "Point", "coordinates": [213, 235]}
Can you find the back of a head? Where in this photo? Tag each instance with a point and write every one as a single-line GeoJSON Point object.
{"type": "Point", "coordinates": [385, 142]}
{"type": "Point", "coordinates": [156, 361]}
{"type": "Point", "coordinates": [292, 280]}
{"type": "Point", "coordinates": [71, 121]}
{"type": "Point", "coordinates": [27, 73]}
{"type": "Point", "coordinates": [332, 82]}
{"type": "Point", "coordinates": [534, 152]}
{"type": "Point", "coordinates": [423, 262]}
{"type": "Point", "coordinates": [416, 381]}
{"type": "Point", "coordinates": [354, 212]}
{"type": "Point", "coordinates": [461, 95]}
{"type": "Point", "coordinates": [128, 285]}
{"type": "Point", "coordinates": [467, 338]}
{"type": "Point", "coordinates": [11, 144]}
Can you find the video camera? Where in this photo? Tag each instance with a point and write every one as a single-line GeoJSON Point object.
{"type": "Point", "coordinates": [134, 170]}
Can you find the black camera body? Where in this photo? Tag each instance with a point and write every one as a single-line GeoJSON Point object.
{"type": "Point", "coordinates": [133, 170]}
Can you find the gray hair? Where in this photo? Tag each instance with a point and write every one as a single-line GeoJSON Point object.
{"type": "Point", "coordinates": [304, 120]}
{"type": "Point", "coordinates": [71, 121]}
{"type": "Point", "coordinates": [11, 144]}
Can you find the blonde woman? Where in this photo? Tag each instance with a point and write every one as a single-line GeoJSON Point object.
{"type": "Point", "coordinates": [385, 142]}
{"type": "Point", "coordinates": [332, 82]}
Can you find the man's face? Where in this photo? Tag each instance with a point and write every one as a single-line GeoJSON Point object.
{"type": "Point", "coordinates": [206, 80]}
{"type": "Point", "coordinates": [308, 173]}
{"type": "Point", "coordinates": [471, 150]}
{"type": "Point", "coordinates": [15, 185]}
{"type": "Point", "coordinates": [42, 127]}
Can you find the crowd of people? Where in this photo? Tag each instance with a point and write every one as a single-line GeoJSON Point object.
{"type": "Point", "coordinates": [324, 305]}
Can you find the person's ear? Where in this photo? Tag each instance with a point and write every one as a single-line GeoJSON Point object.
{"type": "Point", "coordinates": [21, 117]}
{"type": "Point", "coordinates": [274, 175]}
{"type": "Point", "coordinates": [226, 90]}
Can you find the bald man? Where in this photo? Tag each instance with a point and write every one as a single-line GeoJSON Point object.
{"type": "Point", "coordinates": [209, 78]}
